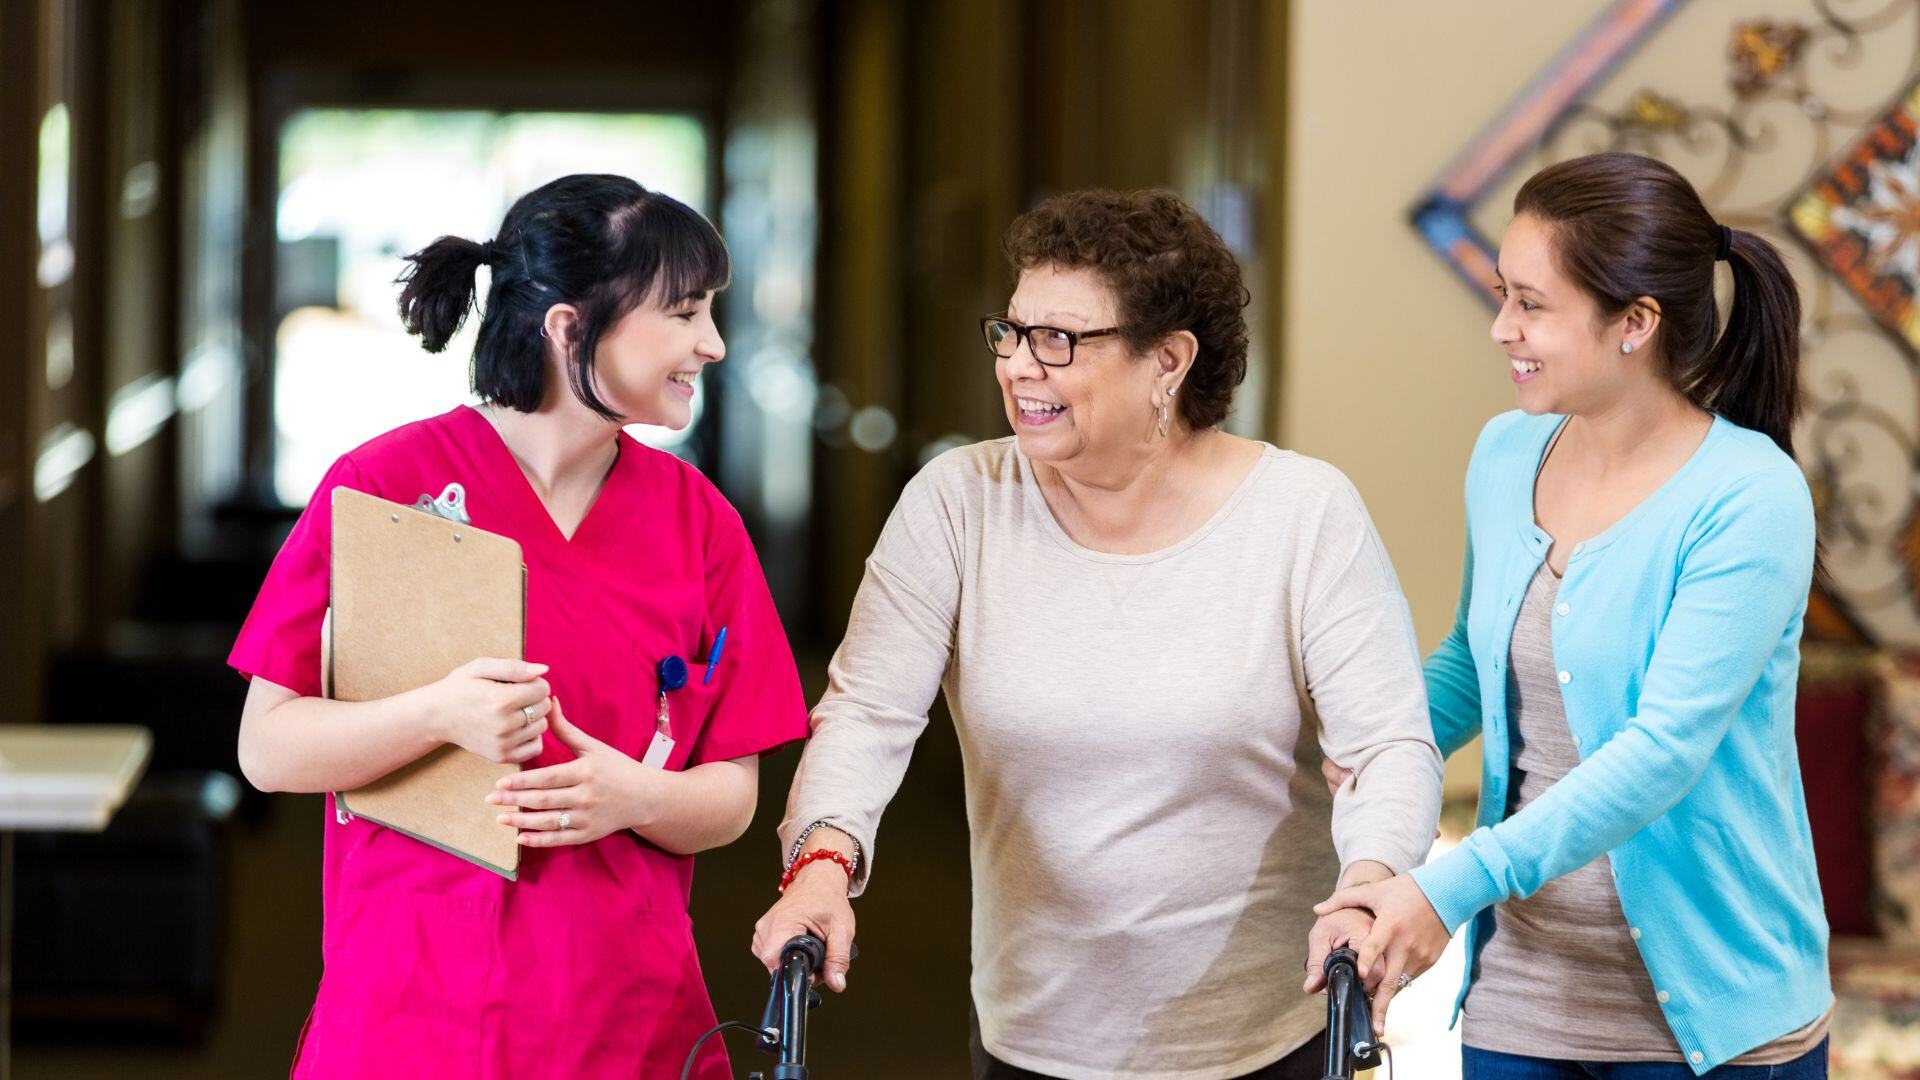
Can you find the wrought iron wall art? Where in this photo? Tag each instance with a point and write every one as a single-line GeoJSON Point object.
{"type": "Point", "coordinates": [1805, 103]}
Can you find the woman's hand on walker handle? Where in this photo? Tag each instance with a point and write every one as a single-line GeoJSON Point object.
{"type": "Point", "coordinates": [600, 791]}
{"type": "Point", "coordinates": [1343, 927]}
{"type": "Point", "coordinates": [1346, 927]}
{"type": "Point", "coordinates": [815, 903]}
{"type": "Point", "coordinates": [1407, 936]}
{"type": "Point", "coordinates": [494, 707]}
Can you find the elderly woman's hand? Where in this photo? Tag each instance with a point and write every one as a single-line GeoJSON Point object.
{"type": "Point", "coordinates": [815, 903]}
{"type": "Point", "coordinates": [1406, 939]}
{"type": "Point", "coordinates": [1347, 928]}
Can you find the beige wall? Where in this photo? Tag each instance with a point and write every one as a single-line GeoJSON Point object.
{"type": "Point", "coordinates": [1386, 368]}
{"type": "Point", "coordinates": [1387, 371]}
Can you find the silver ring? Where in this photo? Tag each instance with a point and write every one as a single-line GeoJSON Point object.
{"type": "Point", "coordinates": [1402, 982]}
{"type": "Point", "coordinates": [566, 822]}
{"type": "Point", "coordinates": [527, 711]}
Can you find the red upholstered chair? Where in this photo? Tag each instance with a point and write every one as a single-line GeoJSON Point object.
{"type": "Point", "coordinates": [1858, 727]}
{"type": "Point", "coordinates": [1838, 688]}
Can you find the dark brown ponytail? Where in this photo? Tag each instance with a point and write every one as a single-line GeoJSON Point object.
{"type": "Point", "coordinates": [1752, 375]}
{"type": "Point", "coordinates": [1626, 226]}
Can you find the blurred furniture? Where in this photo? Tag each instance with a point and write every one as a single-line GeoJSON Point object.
{"type": "Point", "coordinates": [1859, 739]}
{"type": "Point", "coordinates": [123, 931]}
{"type": "Point", "coordinates": [67, 779]}
{"type": "Point", "coordinates": [1839, 686]}
{"type": "Point", "coordinates": [174, 678]}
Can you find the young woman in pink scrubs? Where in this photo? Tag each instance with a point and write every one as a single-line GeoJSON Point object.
{"type": "Point", "coordinates": [599, 314]}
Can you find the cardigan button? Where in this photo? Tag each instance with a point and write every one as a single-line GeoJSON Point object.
{"type": "Point", "coordinates": [1635, 931]}
{"type": "Point", "coordinates": [1563, 611]}
{"type": "Point", "coordinates": [1661, 995]}
{"type": "Point", "coordinates": [1696, 1057]}
{"type": "Point", "coordinates": [1565, 678]}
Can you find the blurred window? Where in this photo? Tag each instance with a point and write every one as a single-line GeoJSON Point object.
{"type": "Point", "coordinates": [361, 188]}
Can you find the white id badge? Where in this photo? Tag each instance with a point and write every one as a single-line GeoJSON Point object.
{"type": "Point", "coordinates": [659, 750]}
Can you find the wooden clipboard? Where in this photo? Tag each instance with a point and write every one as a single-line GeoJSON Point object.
{"type": "Point", "coordinates": [414, 596]}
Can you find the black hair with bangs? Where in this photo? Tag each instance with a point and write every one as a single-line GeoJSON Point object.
{"type": "Point", "coordinates": [601, 243]}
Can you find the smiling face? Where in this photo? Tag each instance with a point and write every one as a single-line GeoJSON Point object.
{"type": "Point", "coordinates": [1565, 358]}
{"type": "Point", "coordinates": [646, 362]}
{"type": "Point", "coordinates": [1096, 408]}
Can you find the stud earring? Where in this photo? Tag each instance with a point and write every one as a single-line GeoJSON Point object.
{"type": "Point", "coordinates": [1626, 346]}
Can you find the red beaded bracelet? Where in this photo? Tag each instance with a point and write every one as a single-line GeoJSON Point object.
{"type": "Point", "coordinates": [816, 855]}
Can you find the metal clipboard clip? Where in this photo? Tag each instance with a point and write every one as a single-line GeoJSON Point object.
{"type": "Point", "coordinates": [452, 504]}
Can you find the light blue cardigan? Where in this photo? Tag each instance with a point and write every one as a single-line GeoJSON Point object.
{"type": "Point", "coordinates": [1677, 635]}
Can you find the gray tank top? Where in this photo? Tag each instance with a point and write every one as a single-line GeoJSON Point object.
{"type": "Point", "coordinates": [1561, 976]}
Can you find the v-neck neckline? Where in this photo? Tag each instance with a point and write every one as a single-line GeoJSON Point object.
{"type": "Point", "coordinates": [1625, 521]}
{"type": "Point", "coordinates": [624, 462]}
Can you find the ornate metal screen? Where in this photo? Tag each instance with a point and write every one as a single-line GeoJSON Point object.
{"type": "Point", "coordinates": [1797, 126]}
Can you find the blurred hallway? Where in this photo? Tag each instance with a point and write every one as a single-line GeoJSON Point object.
{"type": "Point", "coordinates": [197, 318]}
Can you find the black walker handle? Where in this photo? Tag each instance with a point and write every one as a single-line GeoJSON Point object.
{"type": "Point", "coordinates": [783, 1024]}
{"type": "Point", "coordinates": [1350, 1042]}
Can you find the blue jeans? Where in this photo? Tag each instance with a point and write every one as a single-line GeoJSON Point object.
{"type": "Point", "coordinates": [1494, 1065]}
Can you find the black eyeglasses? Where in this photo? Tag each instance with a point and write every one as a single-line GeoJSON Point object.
{"type": "Point", "coordinates": [1050, 345]}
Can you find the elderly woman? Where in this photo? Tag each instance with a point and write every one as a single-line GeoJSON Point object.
{"type": "Point", "coordinates": [1149, 632]}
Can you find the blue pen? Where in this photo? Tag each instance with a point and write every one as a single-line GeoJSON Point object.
{"type": "Point", "coordinates": [713, 658]}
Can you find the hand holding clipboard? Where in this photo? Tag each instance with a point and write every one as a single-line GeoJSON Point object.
{"type": "Point", "coordinates": [414, 597]}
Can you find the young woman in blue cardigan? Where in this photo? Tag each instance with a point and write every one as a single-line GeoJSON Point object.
{"type": "Point", "coordinates": [1639, 894]}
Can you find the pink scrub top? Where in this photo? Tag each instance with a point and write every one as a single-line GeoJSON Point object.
{"type": "Point", "coordinates": [585, 966]}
